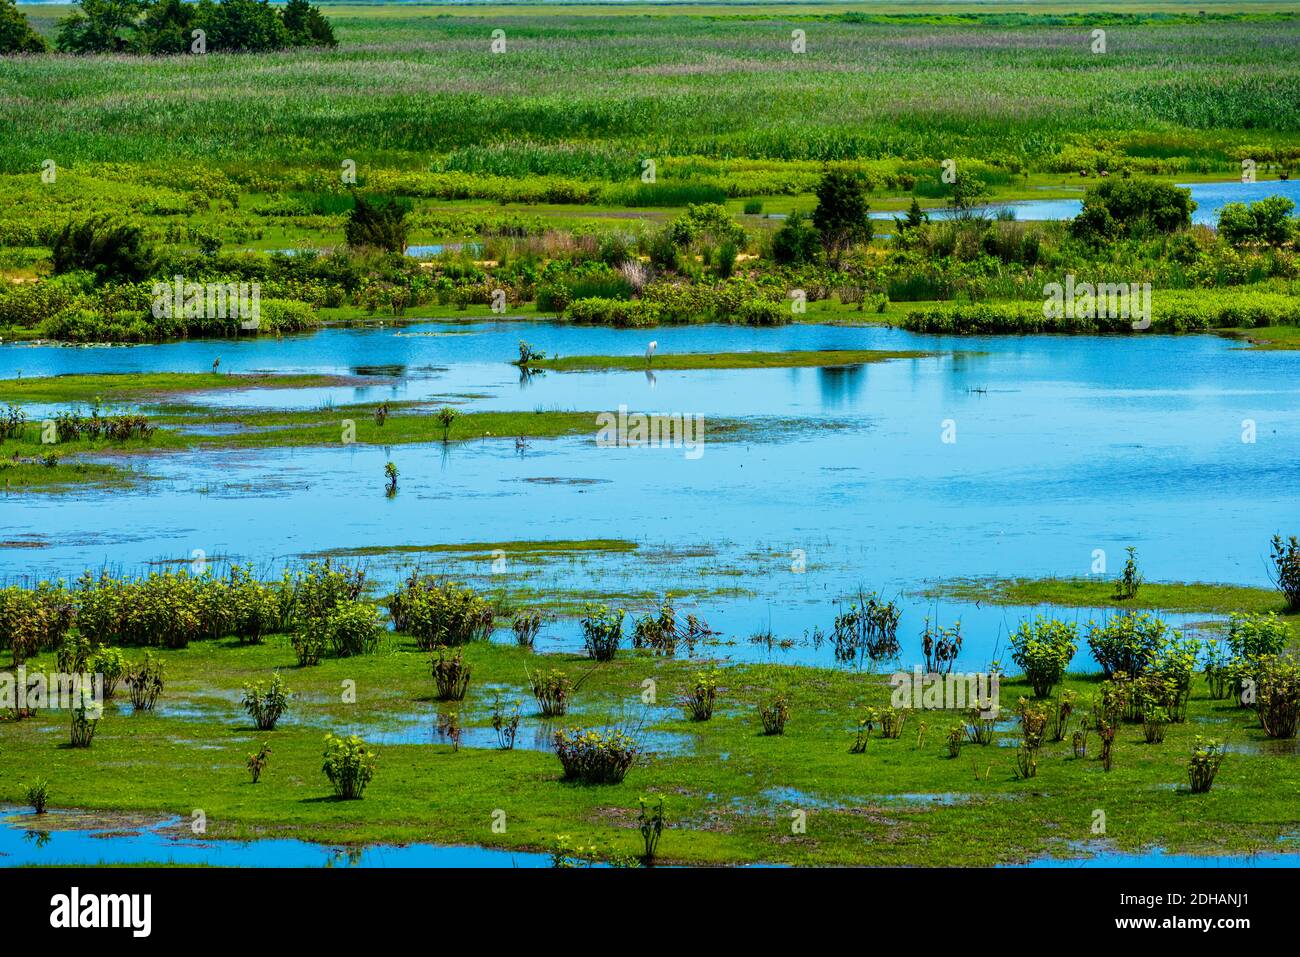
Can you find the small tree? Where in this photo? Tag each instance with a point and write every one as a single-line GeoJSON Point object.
{"type": "Point", "coordinates": [99, 26]}
{"type": "Point", "coordinates": [16, 34]}
{"type": "Point", "coordinates": [969, 197]}
{"type": "Point", "coordinates": [107, 249]}
{"type": "Point", "coordinates": [380, 224]}
{"type": "Point", "coordinates": [796, 242]}
{"type": "Point", "coordinates": [306, 25]}
{"type": "Point", "coordinates": [841, 216]}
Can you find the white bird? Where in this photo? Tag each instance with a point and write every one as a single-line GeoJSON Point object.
{"type": "Point", "coordinates": [650, 350]}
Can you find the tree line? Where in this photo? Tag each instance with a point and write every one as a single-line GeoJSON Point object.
{"type": "Point", "coordinates": [163, 27]}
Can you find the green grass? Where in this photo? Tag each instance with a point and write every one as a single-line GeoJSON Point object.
{"type": "Point", "coordinates": [718, 809]}
{"type": "Point", "coordinates": [1271, 337]}
{"type": "Point", "coordinates": [63, 476]}
{"type": "Point", "coordinates": [137, 386]}
{"type": "Point", "coordinates": [728, 360]}
{"type": "Point", "coordinates": [1100, 593]}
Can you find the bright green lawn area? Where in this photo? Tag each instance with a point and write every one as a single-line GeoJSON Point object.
{"type": "Point", "coordinates": [136, 386]}
{"type": "Point", "coordinates": [730, 790]}
{"type": "Point", "coordinates": [1100, 593]}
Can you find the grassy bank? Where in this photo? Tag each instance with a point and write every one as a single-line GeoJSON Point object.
{"type": "Point", "coordinates": [730, 790]}
{"type": "Point", "coordinates": [141, 386]}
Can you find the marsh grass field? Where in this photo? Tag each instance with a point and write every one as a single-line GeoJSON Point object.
{"type": "Point", "coordinates": [394, 491]}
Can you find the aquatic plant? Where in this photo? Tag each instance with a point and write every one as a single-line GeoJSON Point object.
{"type": "Point", "coordinates": [661, 633]}
{"type": "Point", "coordinates": [592, 756]}
{"type": "Point", "coordinates": [699, 701]}
{"type": "Point", "coordinates": [258, 761]}
{"type": "Point", "coordinates": [505, 724]}
{"type": "Point", "coordinates": [552, 691]}
{"type": "Point", "coordinates": [1203, 766]}
{"type": "Point", "coordinates": [868, 628]}
{"type": "Point", "coordinates": [449, 728]}
{"type": "Point", "coordinates": [1154, 721]}
{"type": "Point", "coordinates": [349, 765]}
{"type": "Point", "coordinates": [1043, 649]}
{"type": "Point", "coordinates": [352, 628]}
{"type": "Point", "coordinates": [1129, 643]}
{"type": "Point", "coordinates": [1079, 740]}
{"type": "Point", "coordinates": [34, 620]}
{"type": "Point", "coordinates": [450, 676]}
{"type": "Point", "coordinates": [1217, 677]}
{"type": "Point", "coordinates": [439, 613]}
{"type": "Point", "coordinates": [266, 702]}
{"type": "Point", "coordinates": [86, 714]}
{"type": "Point", "coordinates": [1058, 717]}
{"type": "Point", "coordinates": [980, 725]}
{"type": "Point", "coordinates": [1130, 581]}
{"type": "Point", "coordinates": [308, 640]}
{"type": "Point", "coordinates": [446, 416]}
{"type": "Point", "coordinates": [940, 646]}
{"type": "Point", "coordinates": [1277, 695]}
{"type": "Point", "coordinates": [956, 737]}
{"type": "Point", "coordinates": [390, 474]}
{"type": "Point", "coordinates": [525, 626]}
{"type": "Point", "coordinates": [110, 665]}
{"type": "Point", "coordinates": [774, 714]}
{"type": "Point", "coordinates": [650, 821]}
{"type": "Point", "coordinates": [38, 795]}
{"type": "Point", "coordinates": [1106, 732]}
{"type": "Point", "coordinates": [144, 679]}
{"type": "Point", "coordinates": [1286, 569]}
{"type": "Point", "coordinates": [602, 631]}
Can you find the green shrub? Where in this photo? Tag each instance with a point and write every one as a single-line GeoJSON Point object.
{"type": "Point", "coordinates": [700, 700]}
{"type": "Point", "coordinates": [106, 249]}
{"type": "Point", "coordinates": [16, 34]}
{"type": "Point", "coordinates": [352, 628]}
{"type": "Point", "coordinates": [591, 756]}
{"type": "Point", "coordinates": [1128, 643]}
{"type": "Point", "coordinates": [1265, 222]}
{"type": "Point", "coordinates": [86, 714]}
{"type": "Point", "coordinates": [1286, 569]}
{"type": "Point", "coordinates": [1207, 755]}
{"type": "Point", "coordinates": [1132, 207]}
{"type": "Point", "coordinates": [552, 691]}
{"type": "Point", "coordinates": [450, 676]}
{"type": "Point", "coordinates": [266, 703]}
{"type": "Point", "coordinates": [1277, 695]}
{"type": "Point", "coordinates": [349, 765]}
{"type": "Point", "coordinates": [38, 795]}
{"type": "Point", "coordinates": [774, 715]}
{"type": "Point", "coordinates": [440, 613]}
{"type": "Point", "coordinates": [144, 679]}
{"type": "Point", "coordinates": [1044, 649]}
{"type": "Point", "coordinates": [602, 631]}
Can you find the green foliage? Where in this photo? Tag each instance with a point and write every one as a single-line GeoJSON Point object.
{"type": "Point", "coordinates": [1043, 649]}
{"type": "Point", "coordinates": [1132, 207]}
{"type": "Point", "coordinates": [1129, 643]}
{"type": "Point", "coordinates": [1207, 755]}
{"type": "Point", "coordinates": [1131, 580]}
{"type": "Point", "coordinates": [107, 249]}
{"type": "Point", "coordinates": [16, 34]}
{"type": "Point", "coordinates": [450, 676]}
{"type": "Point", "coordinates": [306, 25]}
{"type": "Point", "coordinates": [38, 795]}
{"type": "Point", "coordinates": [705, 223]}
{"type": "Point", "coordinates": [593, 756]}
{"type": "Point", "coordinates": [144, 679]}
{"type": "Point", "coordinates": [1257, 635]}
{"type": "Point", "coordinates": [379, 223]}
{"type": "Point", "coordinates": [796, 242]}
{"type": "Point", "coordinates": [699, 701]}
{"type": "Point", "coordinates": [841, 216]}
{"type": "Point", "coordinates": [552, 690]}
{"type": "Point", "coordinates": [1286, 569]}
{"type": "Point", "coordinates": [258, 760]}
{"type": "Point", "coordinates": [1266, 222]}
{"type": "Point", "coordinates": [266, 702]}
{"type": "Point", "coordinates": [86, 715]}
{"type": "Point", "coordinates": [349, 765]}
{"type": "Point", "coordinates": [440, 613]}
{"type": "Point", "coordinates": [650, 821]}
{"type": "Point", "coordinates": [602, 631]}
{"type": "Point", "coordinates": [1277, 695]}
{"type": "Point", "coordinates": [774, 714]}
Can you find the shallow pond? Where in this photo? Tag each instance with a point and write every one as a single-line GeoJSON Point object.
{"type": "Point", "coordinates": [27, 839]}
{"type": "Point", "coordinates": [1063, 446]}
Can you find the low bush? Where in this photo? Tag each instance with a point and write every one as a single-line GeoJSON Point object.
{"type": "Point", "coordinates": [1043, 649]}
{"type": "Point", "coordinates": [592, 756]}
{"type": "Point", "coordinates": [602, 631]}
{"type": "Point", "coordinates": [1203, 767]}
{"type": "Point", "coordinates": [266, 702]}
{"type": "Point", "coordinates": [450, 676]}
{"type": "Point", "coordinates": [349, 765]}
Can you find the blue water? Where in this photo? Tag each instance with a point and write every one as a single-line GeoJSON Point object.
{"type": "Point", "coordinates": [24, 842]}
{"type": "Point", "coordinates": [1209, 198]}
{"type": "Point", "coordinates": [1063, 446]}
